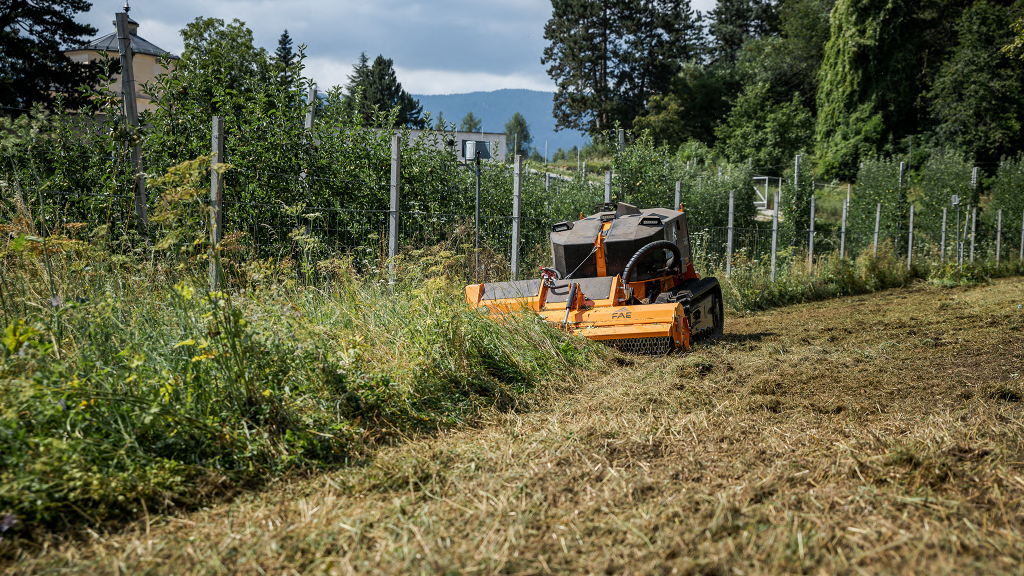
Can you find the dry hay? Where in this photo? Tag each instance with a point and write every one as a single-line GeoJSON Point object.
{"type": "Point", "coordinates": [873, 434]}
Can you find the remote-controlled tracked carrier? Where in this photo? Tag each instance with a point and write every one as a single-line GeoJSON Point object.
{"type": "Point", "coordinates": [623, 276]}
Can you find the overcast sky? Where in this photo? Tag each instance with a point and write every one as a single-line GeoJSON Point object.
{"type": "Point", "coordinates": [439, 47]}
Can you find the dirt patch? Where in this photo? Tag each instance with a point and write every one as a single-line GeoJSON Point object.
{"type": "Point", "coordinates": [877, 433]}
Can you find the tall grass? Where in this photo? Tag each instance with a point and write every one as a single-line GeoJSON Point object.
{"type": "Point", "coordinates": [127, 386]}
{"type": "Point", "coordinates": [750, 287]}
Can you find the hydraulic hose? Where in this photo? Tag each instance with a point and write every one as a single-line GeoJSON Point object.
{"type": "Point", "coordinates": [627, 273]}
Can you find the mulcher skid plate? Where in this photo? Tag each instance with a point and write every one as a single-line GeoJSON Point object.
{"type": "Point", "coordinates": [602, 309]}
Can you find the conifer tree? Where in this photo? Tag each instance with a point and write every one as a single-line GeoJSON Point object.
{"type": "Point", "coordinates": [285, 58]}
{"type": "Point", "coordinates": [33, 37]}
{"type": "Point", "coordinates": [470, 123]}
{"type": "Point", "coordinates": [381, 90]}
{"type": "Point", "coordinates": [607, 57]}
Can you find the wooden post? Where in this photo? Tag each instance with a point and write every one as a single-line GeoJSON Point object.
{"type": "Point", "coordinates": [878, 220]}
{"type": "Point", "coordinates": [607, 187]}
{"type": "Point", "coordinates": [396, 171]}
{"type": "Point", "coordinates": [842, 236]}
{"type": "Point", "coordinates": [679, 198]}
{"type": "Point", "coordinates": [942, 242]}
{"type": "Point", "coordinates": [775, 226]}
{"type": "Point", "coordinates": [999, 235]}
{"type": "Point", "coordinates": [517, 187]}
{"type": "Point", "coordinates": [216, 201]}
{"type": "Point", "coordinates": [974, 229]}
{"type": "Point", "coordinates": [728, 245]}
{"type": "Point", "coordinates": [131, 113]}
{"type": "Point", "coordinates": [810, 239]}
{"type": "Point", "coordinates": [910, 239]}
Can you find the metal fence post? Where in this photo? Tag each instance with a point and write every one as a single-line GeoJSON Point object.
{"type": "Point", "coordinates": [878, 220]}
{"type": "Point", "coordinates": [216, 200]}
{"type": "Point", "coordinates": [679, 198]}
{"type": "Point", "coordinates": [974, 229]}
{"type": "Point", "coordinates": [622, 148]}
{"type": "Point", "coordinates": [1021, 256]}
{"type": "Point", "coordinates": [728, 249]}
{"type": "Point", "coordinates": [775, 226]}
{"type": "Point", "coordinates": [517, 187]}
{"type": "Point", "coordinates": [910, 238]}
{"type": "Point", "coordinates": [547, 183]}
{"type": "Point", "coordinates": [842, 236]}
{"type": "Point", "coordinates": [999, 234]}
{"type": "Point", "coordinates": [393, 215]}
{"type": "Point", "coordinates": [810, 239]}
{"type": "Point", "coordinates": [131, 112]}
{"type": "Point", "coordinates": [607, 187]}
{"type": "Point", "coordinates": [311, 102]}
{"type": "Point", "coordinates": [942, 242]}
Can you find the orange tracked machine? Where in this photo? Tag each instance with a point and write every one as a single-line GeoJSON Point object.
{"type": "Point", "coordinates": [622, 276]}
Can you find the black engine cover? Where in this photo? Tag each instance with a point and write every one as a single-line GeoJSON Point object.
{"type": "Point", "coordinates": [631, 229]}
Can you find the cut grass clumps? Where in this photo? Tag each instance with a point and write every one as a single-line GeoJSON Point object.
{"type": "Point", "coordinates": [127, 392]}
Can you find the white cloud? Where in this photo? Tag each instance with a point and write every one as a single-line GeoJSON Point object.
{"type": "Point", "coordinates": [328, 72]}
{"type": "Point", "coordinates": [164, 35]}
{"type": "Point", "coordinates": [453, 82]}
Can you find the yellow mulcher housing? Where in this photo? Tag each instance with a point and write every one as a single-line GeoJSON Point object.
{"type": "Point", "coordinates": [623, 276]}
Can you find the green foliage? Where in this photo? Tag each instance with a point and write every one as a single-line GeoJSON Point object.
{"type": "Point", "coordinates": [285, 59]}
{"type": "Point", "coordinates": [736, 22]}
{"type": "Point", "coordinates": [877, 183]}
{"type": "Point", "coordinates": [33, 67]}
{"type": "Point", "coordinates": [608, 58]}
{"type": "Point", "coordinates": [761, 130]}
{"type": "Point", "coordinates": [517, 136]}
{"type": "Point", "coordinates": [944, 174]}
{"type": "Point", "coordinates": [380, 91]}
{"type": "Point", "coordinates": [868, 81]}
{"type": "Point", "coordinates": [698, 98]}
{"type": "Point", "coordinates": [705, 192]}
{"type": "Point", "coordinates": [470, 123]}
{"type": "Point", "coordinates": [977, 94]}
{"type": "Point", "coordinates": [127, 393]}
{"type": "Point", "coordinates": [1007, 195]}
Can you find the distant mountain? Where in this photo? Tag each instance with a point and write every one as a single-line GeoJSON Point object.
{"type": "Point", "coordinates": [494, 109]}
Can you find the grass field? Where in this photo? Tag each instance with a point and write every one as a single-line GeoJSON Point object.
{"type": "Point", "coordinates": [869, 434]}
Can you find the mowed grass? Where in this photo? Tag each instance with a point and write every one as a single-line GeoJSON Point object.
{"type": "Point", "coordinates": [869, 434]}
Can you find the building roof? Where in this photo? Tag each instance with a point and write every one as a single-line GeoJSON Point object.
{"type": "Point", "coordinates": [139, 45]}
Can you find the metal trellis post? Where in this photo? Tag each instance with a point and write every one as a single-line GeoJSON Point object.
{"type": "Point", "coordinates": [974, 229]}
{"type": "Point", "coordinates": [728, 249]}
{"type": "Point", "coordinates": [679, 200]}
{"type": "Point", "coordinates": [910, 238]}
{"type": "Point", "coordinates": [517, 187]}
{"type": "Point", "coordinates": [999, 235]}
{"type": "Point", "coordinates": [878, 221]}
{"type": "Point", "coordinates": [810, 239]}
{"type": "Point", "coordinates": [775, 226]}
{"type": "Point", "coordinates": [942, 241]}
{"type": "Point", "coordinates": [842, 236]}
{"type": "Point", "coordinates": [393, 215]}
{"type": "Point", "coordinates": [607, 187]}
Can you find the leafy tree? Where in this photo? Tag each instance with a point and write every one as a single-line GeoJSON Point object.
{"type": "Point", "coordinates": [763, 130]}
{"type": "Point", "coordinates": [517, 135]}
{"type": "Point", "coordinates": [978, 94]}
{"type": "Point", "coordinates": [33, 35]}
{"type": "Point", "coordinates": [699, 97]}
{"type": "Point", "coordinates": [535, 156]}
{"type": "Point", "coordinates": [379, 89]}
{"type": "Point", "coordinates": [789, 62]}
{"type": "Point", "coordinates": [607, 57]}
{"type": "Point", "coordinates": [559, 155]}
{"type": "Point", "coordinates": [869, 80]}
{"type": "Point", "coordinates": [735, 22]}
{"type": "Point", "coordinates": [470, 123]}
{"type": "Point", "coordinates": [285, 58]}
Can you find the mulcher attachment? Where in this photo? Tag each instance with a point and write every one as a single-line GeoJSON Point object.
{"type": "Point", "coordinates": [624, 277]}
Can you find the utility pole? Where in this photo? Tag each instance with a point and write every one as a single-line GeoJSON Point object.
{"type": "Point", "coordinates": [131, 113]}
